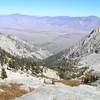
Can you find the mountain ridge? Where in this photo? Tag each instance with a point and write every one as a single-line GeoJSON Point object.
{"type": "Point", "coordinates": [17, 47]}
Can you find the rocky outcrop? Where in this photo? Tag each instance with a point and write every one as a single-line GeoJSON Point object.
{"type": "Point", "coordinates": [90, 44]}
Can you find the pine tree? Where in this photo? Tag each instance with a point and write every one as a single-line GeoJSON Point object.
{"type": "Point", "coordinates": [3, 73]}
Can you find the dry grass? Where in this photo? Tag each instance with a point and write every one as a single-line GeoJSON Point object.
{"type": "Point", "coordinates": [11, 91]}
{"type": "Point", "coordinates": [66, 82]}
{"type": "Point", "coordinates": [70, 82]}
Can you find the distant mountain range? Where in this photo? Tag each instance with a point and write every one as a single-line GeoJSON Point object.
{"type": "Point", "coordinates": [46, 23]}
{"type": "Point", "coordinates": [53, 33]}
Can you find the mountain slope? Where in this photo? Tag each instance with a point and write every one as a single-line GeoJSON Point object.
{"type": "Point", "coordinates": [17, 47]}
{"type": "Point", "coordinates": [87, 46]}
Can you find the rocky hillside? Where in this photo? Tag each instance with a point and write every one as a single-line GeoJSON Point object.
{"type": "Point", "coordinates": [14, 63]}
{"type": "Point", "coordinates": [84, 55]}
{"type": "Point", "coordinates": [18, 47]}
{"type": "Point", "coordinates": [86, 46]}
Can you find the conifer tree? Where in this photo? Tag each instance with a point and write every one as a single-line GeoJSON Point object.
{"type": "Point", "coordinates": [3, 73]}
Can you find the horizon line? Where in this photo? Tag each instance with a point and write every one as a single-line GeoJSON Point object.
{"type": "Point", "coordinates": [48, 15]}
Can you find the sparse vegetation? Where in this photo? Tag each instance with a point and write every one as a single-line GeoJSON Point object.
{"type": "Point", "coordinates": [66, 82]}
{"type": "Point", "coordinates": [18, 63]}
{"type": "Point", "coordinates": [68, 69]}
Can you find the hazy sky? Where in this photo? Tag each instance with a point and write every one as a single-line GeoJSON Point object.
{"type": "Point", "coordinates": [51, 7]}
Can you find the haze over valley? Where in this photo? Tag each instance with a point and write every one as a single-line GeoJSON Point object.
{"type": "Point", "coordinates": [48, 32]}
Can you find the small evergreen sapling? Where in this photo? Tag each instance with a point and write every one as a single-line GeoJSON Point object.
{"type": "Point", "coordinates": [3, 73]}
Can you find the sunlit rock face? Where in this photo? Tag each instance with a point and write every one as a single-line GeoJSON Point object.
{"type": "Point", "coordinates": [88, 45]}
